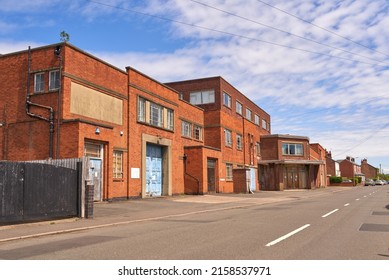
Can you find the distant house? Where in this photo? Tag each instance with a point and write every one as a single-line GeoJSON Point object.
{"type": "Point", "coordinates": [287, 163]}
{"type": "Point", "coordinates": [350, 169]}
{"type": "Point", "coordinates": [332, 165]}
{"type": "Point", "coordinates": [370, 171]}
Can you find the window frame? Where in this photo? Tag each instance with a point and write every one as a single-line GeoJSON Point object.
{"type": "Point", "coordinates": [292, 149]}
{"type": "Point", "coordinates": [186, 129]}
{"type": "Point", "coordinates": [117, 173]}
{"type": "Point", "coordinates": [227, 102]}
{"type": "Point", "coordinates": [257, 119]}
{"type": "Point", "coordinates": [264, 124]}
{"type": "Point", "coordinates": [227, 137]}
{"type": "Point", "coordinates": [249, 112]}
{"type": "Point", "coordinates": [41, 82]}
{"type": "Point", "coordinates": [240, 112]}
{"type": "Point", "coordinates": [229, 173]}
{"type": "Point", "coordinates": [239, 142]}
{"type": "Point", "coordinates": [202, 96]}
{"type": "Point", "coordinates": [197, 132]}
{"type": "Point", "coordinates": [56, 81]}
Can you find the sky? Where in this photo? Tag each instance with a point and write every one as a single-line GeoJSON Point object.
{"type": "Point", "coordinates": [320, 68]}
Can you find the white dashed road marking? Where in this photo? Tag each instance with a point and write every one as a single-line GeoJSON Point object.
{"type": "Point", "coordinates": [287, 235]}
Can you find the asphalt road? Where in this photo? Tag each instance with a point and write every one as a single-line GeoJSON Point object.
{"type": "Point", "coordinates": [352, 224]}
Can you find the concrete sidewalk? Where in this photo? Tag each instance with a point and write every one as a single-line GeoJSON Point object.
{"type": "Point", "coordinates": [142, 210]}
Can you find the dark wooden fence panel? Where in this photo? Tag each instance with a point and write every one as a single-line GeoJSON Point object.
{"type": "Point", "coordinates": [36, 191]}
{"type": "Point", "coordinates": [11, 191]}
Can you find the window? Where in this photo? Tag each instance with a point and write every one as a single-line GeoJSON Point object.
{"type": "Point", "coordinates": [154, 114]}
{"type": "Point", "coordinates": [256, 119]}
{"type": "Point", "coordinates": [117, 164]}
{"type": "Point", "coordinates": [198, 132]}
{"type": "Point", "coordinates": [239, 108]}
{"type": "Point", "coordinates": [228, 171]}
{"type": "Point", "coordinates": [226, 100]}
{"type": "Point", "coordinates": [292, 149]}
{"type": "Point", "coordinates": [228, 137]}
{"type": "Point", "coordinates": [239, 141]}
{"type": "Point", "coordinates": [264, 124]}
{"type": "Point", "coordinates": [141, 109]}
{"type": "Point", "coordinates": [248, 114]}
{"type": "Point", "coordinates": [39, 82]}
{"type": "Point", "coordinates": [186, 129]}
{"type": "Point", "coordinates": [258, 148]}
{"type": "Point", "coordinates": [54, 80]}
{"type": "Point", "coordinates": [202, 97]}
{"type": "Point", "coordinates": [170, 119]}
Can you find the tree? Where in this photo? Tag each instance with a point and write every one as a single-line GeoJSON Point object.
{"type": "Point", "coordinates": [64, 37]}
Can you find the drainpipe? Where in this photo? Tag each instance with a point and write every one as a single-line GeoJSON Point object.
{"type": "Point", "coordinates": [50, 119]}
{"type": "Point", "coordinates": [57, 52]}
{"type": "Point", "coordinates": [191, 176]}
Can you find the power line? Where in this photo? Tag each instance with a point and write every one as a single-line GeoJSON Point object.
{"type": "Point", "coordinates": [323, 28]}
{"type": "Point", "coordinates": [286, 32]}
{"type": "Point", "coordinates": [229, 33]}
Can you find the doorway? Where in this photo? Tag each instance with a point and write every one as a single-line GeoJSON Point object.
{"type": "Point", "coordinates": [295, 177]}
{"type": "Point", "coordinates": [154, 170]}
{"type": "Point", "coordinates": [211, 175]}
{"type": "Point", "coordinates": [94, 152]}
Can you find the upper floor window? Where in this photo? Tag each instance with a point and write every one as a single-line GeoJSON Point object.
{"type": "Point", "coordinates": [202, 97]}
{"type": "Point", "coordinates": [39, 82]}
{"type": "Point", "coordinates": [258, 148]}
{"type": "Point", "coordinates": [198, 132]}
{"type": "Point", "coordinates": [226, 100]}
{"type": "Point", "coordinates": [170, 119]}
{"type": "Point", "coordinates": [186, 129]}
{"type": "Point", "coordinates": [228, 137]}
{"type": "Point", "coordinates": [156, 115]}
{"type": "Point", "coordinates": [248, 114]}
{"type": "Point", "coordinates": [264, 124]}
{"type": "Point", "coordinates": [292, 149]}
{"type": "Point", "coordinates": [256, 119]}
{"type": "Point", "coordinates": [239, 141]}
{"type": "Point", "coordinates": [54, 80]}
{"type": "Point", "coordinates": [239, 108]}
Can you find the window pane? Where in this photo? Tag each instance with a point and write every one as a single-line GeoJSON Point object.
{"type": "Point", "coordinates": [226, 99]}
{"type": "Point", "coordinates": [256, 119]}
{"type": "Point", "coordinates": [239, 142]}
{"type": "Point", "coordinates": [117, 164]}
{"type": "Point", "coordinates": [54, 80]}
{"type": "Point", "coordinates": [198, 132]}
{"type": "Point", "coordinates": [239, 108]}
{"type": "Point", "coordinates": [170, 119]}
{"type": "Point", "coordinates": [208, 97]}
{"type": "Point", "coordinates": [228, 138]}
{"type": "Point", "coordinates": [285, 149]}
{"type": "Point", "coordinates": [186, 129]}
{"type": "Point", "coordinates": [299, 149]}
{"type": "Point", "coordinates": [248, 114]}
{"type": "Point", "coordinates": [141, 110]}
{"type": "Point", "coordinates": [228, 171]}
{"type": "Point", "coordinates": [264, 124]}
{"type": "Point", "coordinates": [156, 115]}
{"type": "Point", "coordinates": [195, 98]}
{"type": "Point", "coordinates": [39, 82]}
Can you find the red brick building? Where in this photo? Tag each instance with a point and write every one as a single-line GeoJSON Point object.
{"type": "Point", "coordinates": [350, 169]}
{"type": "Point", "coordinates": [233, 125]}
{"type": "Point", "coordinates": [370, 171]}
{"type": "Point", "coordinates": [290, 162]}
{"type": "Point", "coordinates": [58, 101]}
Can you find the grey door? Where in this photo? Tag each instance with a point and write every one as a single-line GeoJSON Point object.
{"type": "Point", "coordinates": [95, 176]}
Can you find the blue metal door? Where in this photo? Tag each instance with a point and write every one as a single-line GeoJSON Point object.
{"type": "Point", "coordinates": [153, 170]}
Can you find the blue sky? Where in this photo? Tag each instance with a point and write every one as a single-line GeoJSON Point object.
{"type": "Point", "coordinates": [319, 68]}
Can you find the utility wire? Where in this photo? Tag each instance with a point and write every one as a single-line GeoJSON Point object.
{"type": "Point", "coordinates": [323, 28]}
{"type": "Point", "coordinates": [229, 33]}
{"type": "Point", "coordinates": [286, 32]}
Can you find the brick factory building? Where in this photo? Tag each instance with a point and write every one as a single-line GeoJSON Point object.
{"type": "Point", "coordinates": [143, 138]}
